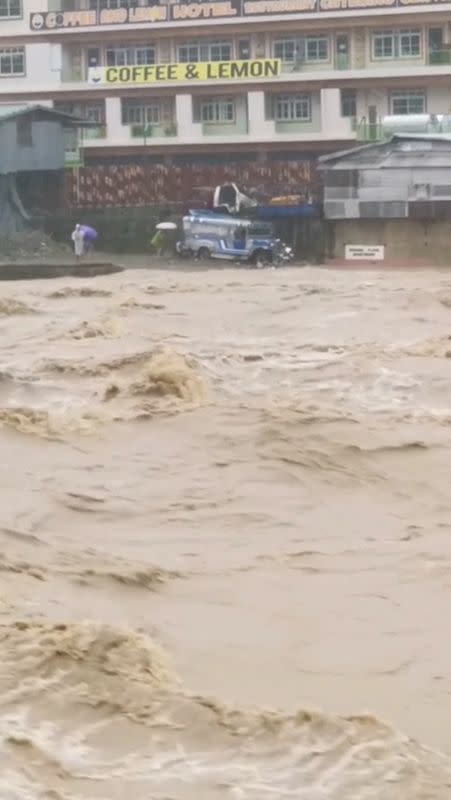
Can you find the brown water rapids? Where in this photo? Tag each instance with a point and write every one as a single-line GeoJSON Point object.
{"type": "Point", "coordinates": [225, 536]}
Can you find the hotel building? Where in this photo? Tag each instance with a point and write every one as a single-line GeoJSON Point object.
{"type": "Point", "coordinates": [231, 78]}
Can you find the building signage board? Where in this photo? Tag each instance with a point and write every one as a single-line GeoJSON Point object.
{"type": "Point", "coordinates": [204, 10]}
{"type": "Point", "coordinates": [257, 69]}
{"type": "Point", "coordinates": [364, 252]}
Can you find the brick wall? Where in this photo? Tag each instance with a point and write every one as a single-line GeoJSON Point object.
{"type": "Point", "coordinates": [125, 185]}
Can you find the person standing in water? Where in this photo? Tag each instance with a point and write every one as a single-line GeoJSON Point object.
{"type": "Point", "coordinates": [78, 238]}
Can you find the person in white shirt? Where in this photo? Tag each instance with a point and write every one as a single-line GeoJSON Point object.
{"type": "Point", "coordinates": [78, 238]}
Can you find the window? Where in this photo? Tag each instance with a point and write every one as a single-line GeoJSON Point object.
{"type": "Point", "coordinates": [384, 45]}
{"type": "Point", "coordinates": [12, 61]}
{"type": "Point", "coordinates": [220, 110]}
{"type": "Point", "coordinates": [130, 55]}
{"type": "Point", "coordinates": [10, 8]}
{"type": "Point", "coordinates": [286, 50]}
{"type": "Point", "coordinates": [191, 52]}
{"type": "Point", "coordinates": [293, 108]}
{"type": "Point", "coordinates": [408, 102]}
{"type": "Point", "coordinates": [24, 132]}
{"type": "Point", "coordinates": [312, 48]}
{"type": "Point", "coordinates": [397, 44]}
{"type": "Point", "coordinates": [134, 113]}
{"type": "Point", "coordinates": [409, 44]}
{"type": "Point", "coordinates": [348, 103]}
{"type": "Point", "coordinates": [316, 48]}
{"type": "Point", "coordinates": [110, 4]}
{"type": "Point", "coordinates": [93, 112]}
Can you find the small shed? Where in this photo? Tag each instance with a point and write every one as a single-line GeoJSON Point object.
{"type": "Point", "coordinates": [407, 176]}
{"type": "Point", "coordinates": [395, 193]}
{"type": "Point", "coordinates": [33, 138]}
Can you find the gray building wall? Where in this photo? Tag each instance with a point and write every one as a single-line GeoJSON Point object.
{"type": "Point", "coordinates": [407, 242]}
{"type": "Point", "coordinates": [47, 151]}
{"type": "Point", "coordinates": [385, 192]}
{"type": "Point", "coordinates": [390, 180]}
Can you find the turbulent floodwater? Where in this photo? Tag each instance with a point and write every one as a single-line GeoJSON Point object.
{"type": "Point", "coordinates": [225, 527]}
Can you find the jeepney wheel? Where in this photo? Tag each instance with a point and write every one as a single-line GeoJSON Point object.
{"type": "Point", "coordinates": [261, 258]}
{"type": "Point", "coordinates": [203, 254]}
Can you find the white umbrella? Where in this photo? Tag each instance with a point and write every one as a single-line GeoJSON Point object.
{"type": "Point", "coordinates": [166, 226]}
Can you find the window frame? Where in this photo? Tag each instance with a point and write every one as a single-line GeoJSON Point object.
{"type": "Point", "coordinates": [399, 95]}
{"type": "Point", "coordinates": [204, 50]}
{"type": "Point", "coordinates": [348, 95]}
{"type": "Point", "coordinates": [383, 34]}
{"type": "Point", "coordinates": [144, 118]}
{"type": "Point", "coordinates": [318, 40]}
{"type": "Point", "coordinates": [396, 35]}
{"type": "Point", "coordinates": [8, 14]}
{"type": "Point", "coordinates": [282, 43]}
{"type": "Point", "coordinates": [291, 100]}
{"type": "Point", "coordinates": [78, 110]}
{"type": "Point", "coordinates": [12, 52]}
{"type": "Point", "coordinates": [128, 49]}
{"type": "Point", "coordinates": [410, 32]}
{"type": "Point", "coordinates": [217, 102]}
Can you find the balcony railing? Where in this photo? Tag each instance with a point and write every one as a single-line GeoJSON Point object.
{"type": "Point", "coordinates": [369, 131]}
{"type": "Point", "coordinates": [96, 132]}
{"type": "Point", "coordinates": [440, 57]}
{"type": "Point", "coordinates": [151, 131]}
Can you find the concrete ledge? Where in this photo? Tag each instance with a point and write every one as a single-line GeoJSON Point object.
{"type": "Point", "coordinates": [393, 264]}
{"type": "Point", "coordinates": [38, 271]}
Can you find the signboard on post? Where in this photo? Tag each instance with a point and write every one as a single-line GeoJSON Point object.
{"type": "Point", "coordinates": [364, 252]}
{"type": "Point", "coordinates": [144, 75]}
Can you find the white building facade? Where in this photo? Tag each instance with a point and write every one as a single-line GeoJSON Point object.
{"type": "Point", "coordinates": [227, 76]}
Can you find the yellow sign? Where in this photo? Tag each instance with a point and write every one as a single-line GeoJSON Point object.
{"type": "Point", "coordinates": [203, 71]}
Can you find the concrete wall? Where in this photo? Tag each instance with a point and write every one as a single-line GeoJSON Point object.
{"type": "Point", "coordinates": [129, 230]}
{"type": "Point", "coordinates": [407, 242]}
{"type": "Point", "coordinates": [47, 151]}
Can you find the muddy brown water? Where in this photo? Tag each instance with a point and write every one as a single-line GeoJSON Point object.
{"type": "Point", "coordinates": [225, 562]}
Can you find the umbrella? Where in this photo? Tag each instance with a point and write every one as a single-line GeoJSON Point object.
{"type": "Point", "coordinates": [166, 226]}
{"type": "Point", "coordinates": [90, 234]}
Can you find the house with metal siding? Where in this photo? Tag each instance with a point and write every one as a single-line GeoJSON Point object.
{"type": "Point", "coordinates": [409, 175]}
{"type": "Point", "coordinates": [33, 139]}
{"type": "Point", "coordinates": [395, 193]}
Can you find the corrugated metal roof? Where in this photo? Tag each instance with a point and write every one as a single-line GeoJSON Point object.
{"type": "Point", "coordinates": [395, 152]}
{"type": "Point", "coordinates": [8, 111]}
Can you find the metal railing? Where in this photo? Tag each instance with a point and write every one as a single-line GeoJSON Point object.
{"type": "Point", "coordinates": [97, 132]}
{"type": "Point", "coordinates": [148, 131]}
{"type": "Point", "coordinates": [367, 131]}
{"type": "Point", "coordinates": [439, 57]}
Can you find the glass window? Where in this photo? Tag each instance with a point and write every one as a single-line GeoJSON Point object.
{"type": "Point", "coordinates": [316, 48]}
{"type": "Point", "coordinates": [110, 3]}
{"type": "Point", "coordinates": [286, 50]}
{"type": "Point", "coordinates": [130, 55]}
{"type": "Point", "coordinates": [93, 112]}
{"type": "Point", "coordinates": [10, 8]}
{"type": "Point", "coordinates": [409, 44]}
{"type": "Point", "coordinates": [220, 110]}
{"type": "Point", "coordinates": [293, 108]}
{"type": "Point", "coordinates": [397, 44]}
{"type": "Point", "coordinates": [348, 103]}
{"type": "Point", "coordinates": [134, 113]}
{"type": "Point", "coordinates": [12, 61]}
{"type": "Point", "coordinates": [192, 52]}
{"type": "Point", "coordinates": [408, 102]}
{"type": "Point", "coordinates": [384, 44]}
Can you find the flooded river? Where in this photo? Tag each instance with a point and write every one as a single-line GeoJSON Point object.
{"type": "Point", "coordinates": [225, 536]}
